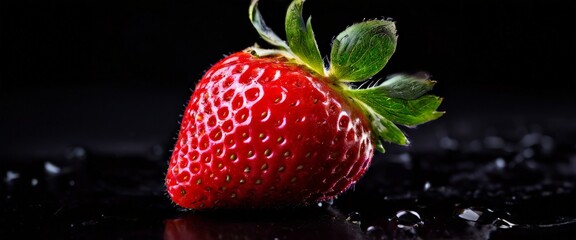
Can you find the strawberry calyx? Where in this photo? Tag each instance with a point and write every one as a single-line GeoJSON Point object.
{"type": "Point", "coordinates": [358, 53]}
{"type": "Point", "coordinates": [301, 45]}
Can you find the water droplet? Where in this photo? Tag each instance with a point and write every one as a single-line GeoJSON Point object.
{"type": "Point", "coordinates": [375, 232]}
{"type": "Point", "coordinates": [51, 169]}
{"type": "Point", "coordinates": [326, 203]}
{"type": "Point", "coordinates": [408, 219]}
{"type": "Point", "coordinates": [503, 223]}
{"type": "Point", "coordinates": [500, 163]}
{"type": "Point", "coordinates": [354, 217]}
{"type": "Point", "coordinates": [478, 214]}
{"type": "Point", "coordinates": [11, 175]}
{"type": "Point", "coordinates": [469, 214]}
{"type": "Point", "coordinates": [427, 186]}
{"type": "Point", "coordinates": [405, 158]}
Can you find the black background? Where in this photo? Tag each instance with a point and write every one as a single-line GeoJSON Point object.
{"type": "Point", "coordinates": [112, 76]}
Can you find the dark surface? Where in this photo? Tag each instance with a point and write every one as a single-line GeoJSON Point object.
{"type": "Point", "coordinates": [90, 95]}
{"type": "Point", "coordinates": [519, 182]}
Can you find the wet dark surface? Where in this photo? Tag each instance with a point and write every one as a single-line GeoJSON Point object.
{"type": "Point", "coordinates": [503, 181]}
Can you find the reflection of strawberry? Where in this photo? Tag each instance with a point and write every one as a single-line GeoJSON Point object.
{"type": "Point", "coordinates": [274, 127]}
{"type": "Point", "coordinates": [302, 223]}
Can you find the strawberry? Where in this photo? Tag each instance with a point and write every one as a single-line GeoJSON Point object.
{"type": "Point", "coordinates": [280, 127]}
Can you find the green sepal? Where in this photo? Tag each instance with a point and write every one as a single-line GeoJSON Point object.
{"type": "Point", "coordinates": [405, 86]}
{"type": "Point", "coordinates": [386, 130]}
{"type": "Point", "coordinates": [263, 30]}
{"type": "Point", "coordinates": [362, 50]}
{"type": "Point", "coordinates": [301, 39]}
{"type": "Point", "coordinates": [407, 112]}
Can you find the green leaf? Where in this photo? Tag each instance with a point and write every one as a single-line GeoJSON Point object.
{"type": "Point", "coordinates": [408, 112]}
{"type": "Point", "coordinates": [362, 50]}
{"type": "Point", "coordinates": [403, 86]}
{"type": "Point", "coordinates": [388, 131]}
{"type": "Point", "coordinates": [301, 39]}
{"type": "Point", "coordinates": [411, 112]}
{"type": "Point", "coordinates": [265, 32]}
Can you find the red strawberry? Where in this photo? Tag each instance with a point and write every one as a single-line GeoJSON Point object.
{"type": "Point", "coordinates": [275, 127]}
